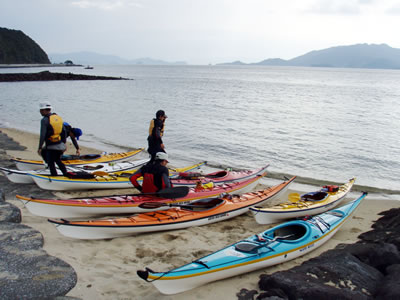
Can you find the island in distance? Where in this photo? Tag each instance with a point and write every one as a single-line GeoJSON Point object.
{"type": "Point", "coordinates": [369, 56]}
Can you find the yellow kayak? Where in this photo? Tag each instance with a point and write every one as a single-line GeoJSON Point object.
{"type": "Point", "coordinates": [308, 204]}
{"type": "Point", "coordinates": [73, 160]}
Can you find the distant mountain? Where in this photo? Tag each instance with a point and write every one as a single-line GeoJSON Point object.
{"type": "Point", "coordinates": [369, 56]}
{"type": "Point", "coordinates": [92, 58]}
{"type": "Point", "coordinates": [18, 48]}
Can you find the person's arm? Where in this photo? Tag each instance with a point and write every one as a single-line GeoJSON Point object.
{"type": "Point", "coordinates": [75, 142]}
{"type": "Point", "coordinates": [166, 181]}
{"type": "Point", "coordinates": [133, 179]}
{"type": "Point", "coordinates": [158, 133]}
{"type": "Point", "coordinates": [43, 131]}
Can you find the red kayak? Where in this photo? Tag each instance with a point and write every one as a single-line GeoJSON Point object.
{"type": "Point", "coordinates": [125, 204]}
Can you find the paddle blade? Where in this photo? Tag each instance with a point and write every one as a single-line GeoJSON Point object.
{"type": "Point", "coordinates": [174, 192]}
{"type": "Point", "coordinates": [294, 197]}
{"type": "Point", "coordinates": [152, 205]}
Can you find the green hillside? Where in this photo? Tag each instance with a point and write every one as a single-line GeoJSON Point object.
{"type": "Point", "coordinates": [18, 48]}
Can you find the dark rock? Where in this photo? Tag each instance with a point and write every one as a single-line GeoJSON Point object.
{"type": "Point", "coordinates": [9, 213]}
{"type": "Point", "coordinates": [273, 294]}
{"type": "Point", "coordinates": [47, 76]}
{"type": "Point", "coordinates": [390, 287]}
{"type": "Point", "coordinates": [386, 229]}
{"type": "Point", "coordinates": [334, 275]}
{"type": "Point", "coordinates": [245, 294]}
{"type": "Point", "coordinates": [26, 270]}
{"type": "Point", "coordinates": [8, 143]}
{"type": "Point", "coordinates": [2, 196]}
{"type": "Point", "coordinates": [377, 255]}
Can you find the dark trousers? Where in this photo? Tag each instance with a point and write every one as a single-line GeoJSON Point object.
{"type": "Point", "coordinates": [53, 157]}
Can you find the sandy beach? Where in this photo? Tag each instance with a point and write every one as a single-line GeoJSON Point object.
{"type": "Point", "coordinates": [107, 268]}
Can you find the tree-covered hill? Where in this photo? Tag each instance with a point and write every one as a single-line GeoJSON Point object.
{"type": "Point", "coordinates": [18, 48]}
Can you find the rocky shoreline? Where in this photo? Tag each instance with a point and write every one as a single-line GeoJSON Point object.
{"type": "Point", "coordinates": [26, 270]}
{"type": "Point", "coordinates": [49, 76]}
{"type": "Point", "coordinates": [367, 269]}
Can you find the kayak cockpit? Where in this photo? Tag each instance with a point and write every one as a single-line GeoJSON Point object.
{"type": "Point", "coordinates": [314, 196]}
{"type": "Point", "coordinates": [283, 234]}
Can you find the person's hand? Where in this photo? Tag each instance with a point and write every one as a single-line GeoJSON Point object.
{"type": "Point", "coordinates": [39, 151]}
{"type": "Point", "coordinates": [78, 152]}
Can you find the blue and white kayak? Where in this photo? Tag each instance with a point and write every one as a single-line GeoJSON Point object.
{"type": "Point", "coordinates": [274, 246]}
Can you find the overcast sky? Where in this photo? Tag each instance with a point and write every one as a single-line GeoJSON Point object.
{"type": "Point", "coordinates": [202, 31]}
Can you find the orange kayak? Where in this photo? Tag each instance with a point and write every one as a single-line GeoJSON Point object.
{"type": "Point", "coordinates": [178, 216]}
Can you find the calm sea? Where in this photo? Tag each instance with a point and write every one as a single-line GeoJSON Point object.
{"type": "Point", "coordinates": [321, 124]}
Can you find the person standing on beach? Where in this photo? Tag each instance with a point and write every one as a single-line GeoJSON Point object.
{"type": "Point", "coordinates": [74, 134]}
{"type": "Point", "coordinates": [52, 134]}
{"type": "Point", "coordinates": [155, 175]}
{"type": "Point", "coordinates": [156, 132]}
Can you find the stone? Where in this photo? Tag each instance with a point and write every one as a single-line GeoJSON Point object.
{"type": "Point", "coordinates": [335, 274]}
{"type": "Point", "coordinates": [390, 287]}
{"type": "Point", "coordinates": [26, 270]}
{"type": "Point", "coordinates": [9, 213]}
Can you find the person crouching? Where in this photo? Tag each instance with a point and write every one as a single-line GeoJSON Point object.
{"type": "Point", "coordinates": [155, 175]}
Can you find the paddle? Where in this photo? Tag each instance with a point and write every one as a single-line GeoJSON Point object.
{"type": "Point", "coordinates": [154, 205]}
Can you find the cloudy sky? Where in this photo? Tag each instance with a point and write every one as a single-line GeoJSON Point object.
{"type": "Point", "coordinates": [202, 31]}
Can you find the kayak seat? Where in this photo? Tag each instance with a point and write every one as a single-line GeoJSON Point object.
{"type": "Point", "coordinates": [290, 232]}
{"type": "Point", "coordinates": [204, 204]}
{"type": "Point", "coordinates": [247, 247]}
{"type": "Point", "coordinates": [314, 196]}
{"type": "Point", "coordinates": [217, 175]}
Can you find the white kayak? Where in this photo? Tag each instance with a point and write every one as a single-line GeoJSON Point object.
{"type": "Point", "coordinates": [307, 204]}
{"type": "Point", "coordinates": [18, 176]}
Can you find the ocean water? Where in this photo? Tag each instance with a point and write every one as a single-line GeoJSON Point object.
{"type": "Point", "coordinates": [321, 124]}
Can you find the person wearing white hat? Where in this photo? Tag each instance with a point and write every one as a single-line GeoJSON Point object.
{"type": "Point", "coordinates": [52, 134]}
{"type": "Point", "coordinates": [155, 175]}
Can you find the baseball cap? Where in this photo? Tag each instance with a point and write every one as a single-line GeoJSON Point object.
{"type": "Point", "coordinates": [162, 156]}
{"type": "Point", "coordinates": [45, 105]}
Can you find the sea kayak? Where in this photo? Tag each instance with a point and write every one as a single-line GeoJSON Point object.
{"type": "Point", "coordinates": [18, 176]}
{"type": "Point", "coordinates": [178, 216]}
{"type": "Point", "coordinates": [73, 160]}
{"type": "Point", "coordinates": [124, 204]}
{"type": "Point", "coordinates": [120, 180]}
{"type": "Point", "coordinates": [104, 180]}
{"type": "Point", "coordinates": [307, 204]}
{"type": "Point", "coordinates": [273, 246]}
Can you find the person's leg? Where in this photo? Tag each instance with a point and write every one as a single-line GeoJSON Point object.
{"type": "Point", "coordinates": [44, 155]}
{"type": "Point", "coordinates": [60, 164]}
{"type": "Point", "coordinates": [50, 155]}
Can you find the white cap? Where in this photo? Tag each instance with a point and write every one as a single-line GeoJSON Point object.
{"type": "Point", "coordinates": [162, 156]}
{"type": "Point", "coordinates": [45, 105]}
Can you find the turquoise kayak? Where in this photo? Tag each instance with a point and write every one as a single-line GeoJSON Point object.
{"type": "Point", "coordinates": [276, 245]}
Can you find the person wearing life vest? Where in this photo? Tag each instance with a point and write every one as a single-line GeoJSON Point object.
{"type": "Point", "coordinates": [156, 132]}
{"type": "Point", "coordinates": [74, 134]}
{"type": "Point", "coordinates": [155, 175]}
{"type": "Point", "coordinates": [52, 135]}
